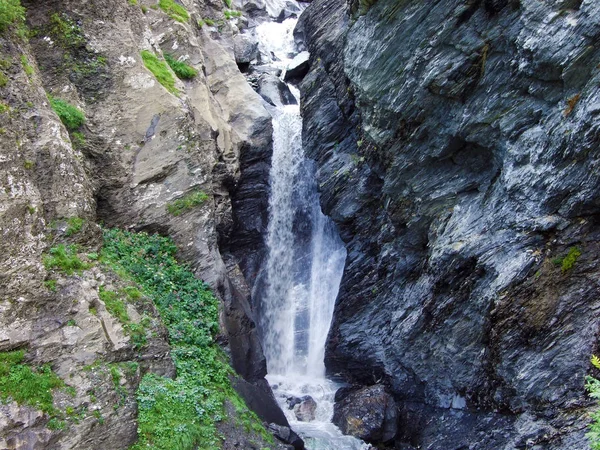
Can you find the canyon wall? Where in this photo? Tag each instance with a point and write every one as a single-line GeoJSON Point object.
{"type": "Point", "coordinates": [458, 144]}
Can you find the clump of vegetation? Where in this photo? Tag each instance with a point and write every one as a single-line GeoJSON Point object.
{"type": "Point", "coordinates": [179, 206]}
{"type": "Point", "coordinates": [567, 261]}
{"type": "Point", "coordinates": [74, 225]}
{"type": "Point", "coordinates": [180, 413]}
{"type": "Point", "coordinates": [181, 69]}
{"type": "Point", "coordinates": [11, 12]}
{"type": "Point", "coordinates": [28, 68]}
{"type": "Point", "coordinates": [65, 259]}
{"type": "Point", "coordinates": [209, 22]}
{"type": "Point", "coordinates": [78, 140]}
{"type": "Point", "coordinates": [593, 387]}
{"type": "Point", "coordinates": [117, 307]}
{"type": "Point", "coordinates": [66, 31]}
{"type": "Point", "coordinates": [160, 70]}
{"type": "Point", "coordinates": [4, 108]}
{"type": "Point", "coordinates": [230, 14]}
{"type": "Point", "coordinates": [28, 164]}
{"type": "Point", "coordinates": [133, 2]}
{"type": "Point", "coordinates": [50, 285]}
{"type": "Point", "coordinates": [27, 385]}
{"type": "Point", "coordinates": [69, 115]}
{"type": "Point", "coordinates": [174, 10]}
{"type": "Point", "coordinates": [3, 80]}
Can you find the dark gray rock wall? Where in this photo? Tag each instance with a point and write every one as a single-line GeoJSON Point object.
{"type": "Point", "coordinates": [457, 145]}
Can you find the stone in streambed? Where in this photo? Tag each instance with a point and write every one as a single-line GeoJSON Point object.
{"type": "Point", "coordinates": [275, 91]}
{"type": "Point", "coordinates": [368, 414]}
{"type": "Point", "coordinates": [305, 409]}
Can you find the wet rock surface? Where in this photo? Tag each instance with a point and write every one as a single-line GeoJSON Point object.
{"type": "Point", "coordinates": [456, 144]}
{"type": "Point", "coordinates": [304, 408]}
{"type": "Point", "coordinates": [368, 413]}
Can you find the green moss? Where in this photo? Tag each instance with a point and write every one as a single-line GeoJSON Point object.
{"type": "Point", "coordinates": [567, 261]}
{"type": "Point", "coordinates": [74, 225]}
{"type": "Point", "coordinates": [4, 108]}
{"type": "Point", "coordinates": [133, 2]}
{"type": "Point", "coordinates": [3, 79]}
{"type": "Point", "coordinates": [209, 22]}
{"type": "Point", "coordinates": [68, 114]}
{"type": "Point", "coordinates": [28, 164]}
{"type": "Point", "coordinates": [65, 259]}
{"type": "Point", "coordinates": [189, 201]}
{"type": "Point", "coordinates": [11, 12]}
{"type": "Point", "coordinates": [66, 31]}
{"type": "Point", "coordinates": [27, 385]}
{"type": "Point", "coordinates": [160, 70]}
{"type": "Point", "coordinates": [174, 10]}
{"type": "Point", "coordinates": [78, 140]}
{"type": "Point", "coordinates": [50, 285]}
{"type": "Point", "coordinates": [181, 69]}
{"type": "Point", "coordinates": [181, 413]}
{"type": "Point", "coordinates": [230, 14]}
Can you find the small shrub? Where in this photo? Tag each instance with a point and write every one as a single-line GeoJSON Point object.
{"type": "Point", "coordinates": [3, 79]}
{"type": "Point", "coordinates": [174, 10]}
{"type": "Point", "coordinates": [28, 164]}
{"type": "Point", "coordinates": [50, 285]}
{"type": "Point", "coordinates": [27, 385]}
{"type": "Point", "coordinates": [181, 69]}
{"type": "Point", "coordinates": [74, 225]}
{"type": "Point", "coordinates": [11, 12]}
{"type": "Point", "coordinates": [66, 31]}
{"type": "Point", "coordinates": [68, 114]}
{"type": "Point", "coordinates": [65, 259]}
{"type": "Point", "coordinates": [179, 206]}
{"type": "Point", "coordinates": [160, 70]}
{"type": "Point", "coordinates": [71, 323]}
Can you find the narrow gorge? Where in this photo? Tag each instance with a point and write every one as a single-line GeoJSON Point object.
{"type": "Point", "coordinates": [331, 225]}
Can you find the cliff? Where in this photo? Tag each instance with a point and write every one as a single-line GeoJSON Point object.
{"type": "Point", "coordinates": [457, 145]}
{"type": "Point", "coordinates": [96, 128]}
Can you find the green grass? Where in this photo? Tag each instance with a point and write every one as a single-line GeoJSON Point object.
{"type": "Point", "coordinates": [117, 308]}
{"type": "Point", "coordinates": [227, 3]}
{"type": "Point", "coordinates": [567, 261]}
{"type": "Point", "coordinates": [160, 70]}
{"type": "Point", "coordinates": [11, 12]}
{"type": "Point", "coordinates": [174, 10]}
{"type": "Point", "coordinates": [65, 259]}
{"type": "Point", "coordinates": [189, 201]}
{"type": "Point", "coordinates": [74, 225]}
{"type": "Point", "coordinates": [68, 114]}
{"type": "Point", "coordinates": [230, 14]}
{"type": "Point", "coordinates": [27, 385]}
{"type": "Point", "coordinates": [181, 69]}
{"type": "Point", "coordinates": [28, 68]}
{"type": "Point", "coordinates": [178, 414]}
{"type": "Point", "coordinates": [66, 31]}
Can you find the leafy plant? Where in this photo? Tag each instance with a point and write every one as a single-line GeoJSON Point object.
{"type": "Point", "coordinates": [160, 70]}
{"type": "Point", "coordinates": [68, 114]}
{"type": "Point", "coordinates": [11, 12]}
{"type": "Point", "coordinates": [27, 385]}
{"type": "Point", "coordinates": [181, 69]}
{"type": "Point", "coordinates": [65, 259]}
{"type": "Point", "coordinates": [593, 387]}
{"type": "Point", "coordinates": [181, 413]}
{"type": "Point", "coordinates": [179, 206]}
{"type": "Point", "coordinates": [174, 10]}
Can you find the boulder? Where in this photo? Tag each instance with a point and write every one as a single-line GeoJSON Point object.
{"type": "Point", "coordinates": [286, 435]}
{"type": "Point", "coordinates": [298, 67]}
{"type": "Point", "coordinates": [275, 91]}
{"type": "Point", "coordinates": [368, 414]}
{"type": "Point", "coordinates": [245, 49]}
{"type": "Point", "coordinates": [305, 409]}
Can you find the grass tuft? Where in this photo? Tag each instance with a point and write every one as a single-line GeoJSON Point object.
{"type": "Point", "coordinates": [174, 10]}
{"type": "Point", "coordinates": [65, 259]}
{"type": "Point", "coordinates": [181, 69]}
{"type": "Point", "coordinates": [68, 114]}
{"type": "Point", "coordinates": [160, 70]}
{"type": "Point", "coordinates": [189, 201]}
{"type": "Point", "coordinates": [27, 385]}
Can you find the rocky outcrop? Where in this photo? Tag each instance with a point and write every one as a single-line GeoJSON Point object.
{"type": "Point", "coordinates": [456, 145]}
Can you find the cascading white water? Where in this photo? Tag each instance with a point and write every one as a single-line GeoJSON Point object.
{"type": "Point", "coordinates": [303, 268]}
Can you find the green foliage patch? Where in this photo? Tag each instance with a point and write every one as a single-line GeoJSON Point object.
{"type": "Point", "coordinates": [11, 12]}
{"type": "Point", "coordinates": [160, 70]}
{"type": "Point", "coordinates": [118, 308]}
{"type": "Point", "coordinates": [181, 69]}
{"type": "Point", "coordinates": [68, 114]}
{"type": "Point", "coordinates": [181, 413]}
{"type": "Point", "coordinates": [174, 10]}
{"type": "Point", "coordinates": [567, 261]}
{"type": "Point", "coordinates": [74, 225]}
{"type": "Point", "coordinates": [593, 387]}
{"type": "Point", "coordinates": [65, 259]}
{"type": "Point", "coordinates": [27, 385]}
{"type": "Point", "coordinates": [189, 201]}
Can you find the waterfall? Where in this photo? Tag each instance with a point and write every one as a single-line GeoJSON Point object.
{"type": "Point", "coordinates": [303, 268]}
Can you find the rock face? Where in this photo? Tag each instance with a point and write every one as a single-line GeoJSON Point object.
{"type": "Point", "coordinates": [456, 146]}
{"type": "Point", "coordinates": [368, 414]}
{"type": "Point", "coordinates": [142, 148]}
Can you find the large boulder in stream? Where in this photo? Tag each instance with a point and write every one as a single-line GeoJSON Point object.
{"type": "Point", "coordinates": [274, 91]}
{"type": "Point", "coordinates": [368, 414]}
